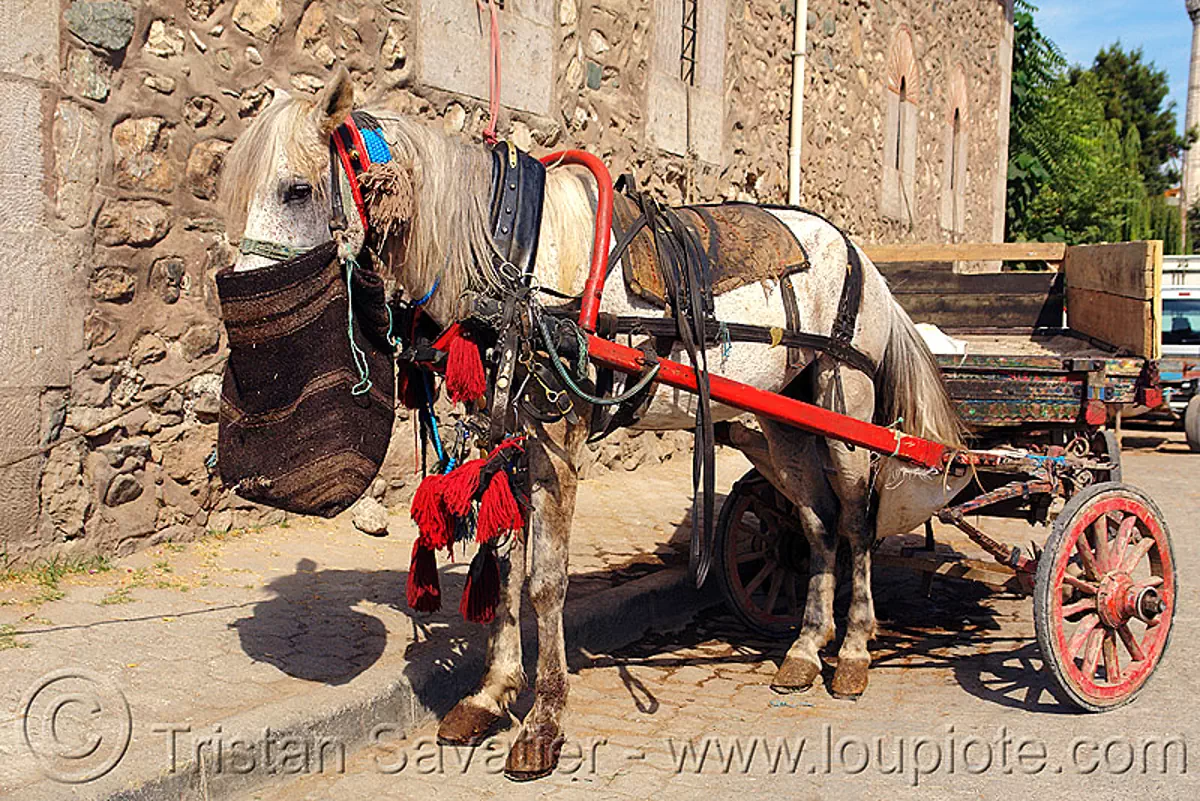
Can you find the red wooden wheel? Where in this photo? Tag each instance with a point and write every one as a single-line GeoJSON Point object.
{"type": "Point", "coordinates": [1105, 595]}
{"type": "Point", "coordinates": [763, 553]}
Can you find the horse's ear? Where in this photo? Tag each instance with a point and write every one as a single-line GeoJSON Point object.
{"type": "Point", "coordinates": [335, 102]}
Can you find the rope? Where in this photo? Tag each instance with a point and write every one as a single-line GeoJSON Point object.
{"type": "Point", "coordinates": [360, 358]}
{"type": "Point", "coordinates": [489, 133]}
{"type": "Point", "coordinates": [162, 393]}
{"type": "Point", "coordinates": [642, 383]}
{"type": "Point", "coordinates": [276, 251]}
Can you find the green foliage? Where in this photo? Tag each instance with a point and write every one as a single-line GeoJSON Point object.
{"type": "Point", "coordinates": [1133, 93]}
{"type": "Point", "coordinates": [1080, 144]}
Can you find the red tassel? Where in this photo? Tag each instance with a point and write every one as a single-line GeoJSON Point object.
{"type": "Point", "coordinates": [460, 486]}
{"type": "Point", "coordinates": [428, 511]}
{"type": "Point", "coordinates": [424, 591]}
{"type": "Point", "coordinates": [465, 380]}
{"type": "Point", "coordinates": [498, 510]}
{"type": "Point", "coordinates": [482, 592]}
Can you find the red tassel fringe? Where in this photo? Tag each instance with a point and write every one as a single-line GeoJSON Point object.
{"type": "Point", "coordinates": [465, 380]}
{"type": "Point", "coordinates": [429, 512]}
{"type": "Point", "coordinates": [424, 590]}
{"type": "Point", "coordinates": [482, 592]}
{"type": "Point", "coordinates": [498, 510]}
{"type": "Point", "coordinates": [460, 486]}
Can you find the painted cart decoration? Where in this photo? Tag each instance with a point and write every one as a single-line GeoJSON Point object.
{"type": "Point", "coordinates": [1103, 584]}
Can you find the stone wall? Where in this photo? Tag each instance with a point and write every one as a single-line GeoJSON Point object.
{"type": "Point", "coordinates": [116, 116]}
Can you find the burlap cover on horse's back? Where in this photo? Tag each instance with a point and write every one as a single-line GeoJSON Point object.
{"type": "Point", "coordinates": [291, 433]}
{"type": "Point", "coordinates": [745, 244]}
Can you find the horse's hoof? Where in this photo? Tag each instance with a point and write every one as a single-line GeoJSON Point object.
{"type": "Point", "coordinates": [795, 675]}
{"type": "Point", "coordinates": [466, 724]}
{"type": "Point", "coordinates": [534, 754]}
{"type": "Point", "coordinates": [850, 678]}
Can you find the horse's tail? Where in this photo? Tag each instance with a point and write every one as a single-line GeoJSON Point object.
{"type": "Point", "coordinates": [910, 389]}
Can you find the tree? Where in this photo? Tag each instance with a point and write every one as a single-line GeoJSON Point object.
{"type": "Point", "coordinates": [1133, 92]}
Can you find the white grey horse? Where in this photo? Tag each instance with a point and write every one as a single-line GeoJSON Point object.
{"type": "Point", "coordinates": [275, 183]}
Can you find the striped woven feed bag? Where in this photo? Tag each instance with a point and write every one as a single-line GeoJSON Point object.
{"type": "Point", "coordinates": [307, 400]}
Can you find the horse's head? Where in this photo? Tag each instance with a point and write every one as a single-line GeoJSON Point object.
{"type": "Point", "coordinates": [276, 178]}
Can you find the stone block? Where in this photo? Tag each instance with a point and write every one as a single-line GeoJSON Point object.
{"type": "Point", "coordinates": [29, 39]}
{"type": "Point", "coordinates": [76, 135]}
{"type": "Point", "coordinates": [526, 46]}
{"type": "Point", "coordinates": [141, 148]}
{"type": "Point", "coordinates": [88, 75]}
{"type": "Point", "coordinates": [22, 161]}
{"type": "Point", "coordinates": [132, 222]}
{"type": "Point", "coordinates": [259, 18]}
{"type": "Point", "coordinates": [666, 117]}
{"type": "Point", "coordinates": [104, 24]}
{"type": "Point", "coordinates": [41, 299]}
{"type": "Point", "coordinates": [706, 125]}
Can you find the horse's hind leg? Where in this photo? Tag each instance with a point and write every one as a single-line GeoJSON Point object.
{"type": "Point", "coordinates": [796, 470]}
{"type": "Point", "coordinates": [853, 393]}
{"type": "Point", "coordinates": [504, 677]}
{"type": "Point", "coordinates": [552, 466]}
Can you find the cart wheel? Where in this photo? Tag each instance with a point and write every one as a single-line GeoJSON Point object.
{"type": "Point", "coordinates": [1107, 445]}
{"type": "Point", "coordinates": [764, 558]}
{"type": "Point", "coordinates": [1191, 423]}
{"type": "Point", "coordinates": [1105, 595]}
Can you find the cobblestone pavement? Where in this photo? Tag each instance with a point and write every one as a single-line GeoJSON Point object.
{"type": "Point", "coordinates": [957, 707]}
{"type": "Point", "coordinates": [199, 633]}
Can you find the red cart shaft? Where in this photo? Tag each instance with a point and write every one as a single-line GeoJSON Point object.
{"type": "Point", "coordinates": [775, 406]}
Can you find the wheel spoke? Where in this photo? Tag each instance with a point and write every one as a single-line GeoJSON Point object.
{"type": "Point", "coordinates": [773, 592]}
{"type": "Point", "coordinates": [1085, 557]}
{"type": "Point", "coordinates": [1100, 534]}
{"type": "Point", "coordinates": [1136, 554]}
{"type": "Point", "coordinates": [1131, 643]}
{"type": "Point", "coordinates": [1153, 581]}
{"type": "Point", "coordinates": [1112, 664]}
{"type": "Point", "coordinates": [751, 556]}
{"type": "Point", "coordinates": [1081, 635]}
{"type": "Point", "coordinates": [1091, 659]}
{"type": "Point", "coordinates": [745, 529]}
{"type": "Point", "coordinates": [760, 577]}
{"type": "Point", "coordinates": [1080, 584]}
{"type": "Point", "coordinates": [1124, 534]}
{"type": "Point", "coordinates": [793, 599]}
{"type": "Point", "coordinates": [1085, 605]}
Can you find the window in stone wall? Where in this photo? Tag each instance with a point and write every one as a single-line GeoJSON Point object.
{"type": "Point", "coordinates": [687, 54]}
{"type": "Point", "coordinates": [897, 194]}
{"type": "Point", "coordinates": [954, 160]}
{"type": "Point", "coordinates": [685, 109]}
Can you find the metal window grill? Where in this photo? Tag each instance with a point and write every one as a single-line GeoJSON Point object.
{"type": "Point", "coordinates": [687, 50]}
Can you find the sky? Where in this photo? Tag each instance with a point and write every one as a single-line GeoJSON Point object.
{"type": "Point", "coordinates": [1160, 27]}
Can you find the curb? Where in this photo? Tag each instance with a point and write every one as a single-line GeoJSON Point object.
{"type": "Point", "coordinates": [349, 714]}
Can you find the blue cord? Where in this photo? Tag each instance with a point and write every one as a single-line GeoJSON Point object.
{"type": "Point", "coordinates": [433, 426]}
{"type": "Point", "coordinates": [428, 294]}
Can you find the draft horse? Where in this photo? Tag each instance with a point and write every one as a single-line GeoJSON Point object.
{"type": "Point", "coordinates": [277, 182]}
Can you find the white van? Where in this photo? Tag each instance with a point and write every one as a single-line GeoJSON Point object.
{"type": "Point", "coordinates": [1179, 367]}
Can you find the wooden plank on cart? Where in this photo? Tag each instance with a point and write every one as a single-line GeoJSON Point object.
{"type": "Point", "coordinates": [934, 293]}
{"type": "Point", "coordinates": [967, 251]}
{"type": "Point", "coordinates": [1114, 294]}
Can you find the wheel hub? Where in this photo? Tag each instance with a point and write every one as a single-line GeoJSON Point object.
{"type": "Point", "coordinates": [1119, 600]}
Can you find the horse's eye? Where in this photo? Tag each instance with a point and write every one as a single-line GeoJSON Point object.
{"type": "Point", "coordinates": [298, 192]}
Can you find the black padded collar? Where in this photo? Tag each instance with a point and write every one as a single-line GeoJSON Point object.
{"type": "Point", "coordinates": [518, 189]}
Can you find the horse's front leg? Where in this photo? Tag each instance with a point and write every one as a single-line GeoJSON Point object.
{"type": "Point", "coordinates": [553, 467]}
{"type": "Point", "coordinates": [504, 678]}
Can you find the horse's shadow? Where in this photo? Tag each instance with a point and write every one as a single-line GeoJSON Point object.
{"type": "Point", "coordinates": [313, 629]}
